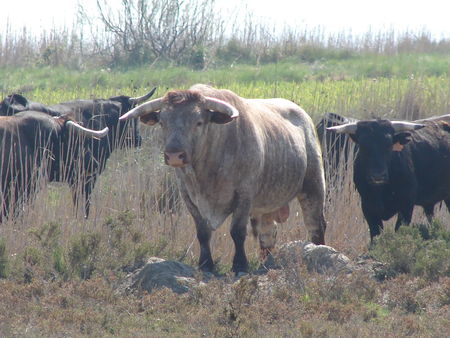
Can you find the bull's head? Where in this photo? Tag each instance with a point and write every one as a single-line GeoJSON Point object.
{"type": "Point", "coordinates": [126, 133]}
{"type": "Point", "coordinates": [184, 117]}
{"type": "Point", "coordinates": [13, 104]}
{"type": "Point", "coordinates": [377, 140]}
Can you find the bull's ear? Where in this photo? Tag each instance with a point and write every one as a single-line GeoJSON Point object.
{"type": "Point", "coordinates": [150, 119]}
{"type": "Point", "coordinates": [220, 118]}
{"type": "Point", "coordinates": [400, 140]}
{"type": "Point", "coordinates": [62, 119]}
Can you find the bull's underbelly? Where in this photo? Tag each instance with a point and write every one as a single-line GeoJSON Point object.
{"type": "Point", "coordinates": [279, 186]}
{"type": "Point", "coordinates": [267, 202]}
{"type": "Point", "coordinates": [216, 203]}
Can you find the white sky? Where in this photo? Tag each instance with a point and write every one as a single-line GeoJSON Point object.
{"type": "Point", "coordinates": [332, 15]}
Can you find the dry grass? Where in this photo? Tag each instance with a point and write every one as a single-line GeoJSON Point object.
{"type": "Point", "coordinates": [127, 214]}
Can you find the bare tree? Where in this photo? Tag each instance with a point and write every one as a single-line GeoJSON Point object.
{"type": "Point", "coordinates": [159, 29]}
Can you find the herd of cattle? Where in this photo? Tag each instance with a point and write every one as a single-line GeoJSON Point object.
{"type": "Point", "coordinates": [247, 158]}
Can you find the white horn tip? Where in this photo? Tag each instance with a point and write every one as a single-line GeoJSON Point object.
{"type": "Point", "coordinates": [103, 132]}
{"type": "Point", "coordinates": [334, 128]}
{"type": "Point", "coordinates": [124, 117]}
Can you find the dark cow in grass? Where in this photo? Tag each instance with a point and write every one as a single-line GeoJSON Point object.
{"type": "Point", "coordinates": [337, 148]}
{"type": "Point", "coordinates": [400, 164]}
{"type": "Point", "coordinates": [242, 157]}
{"type": "Point", "coordinates": [94, 114]}
{"type": "Point", "coordinates": [34, 145]}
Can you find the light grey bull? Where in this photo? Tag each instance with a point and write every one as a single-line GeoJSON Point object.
{"type": "Point", "coordinates": [245, 157]}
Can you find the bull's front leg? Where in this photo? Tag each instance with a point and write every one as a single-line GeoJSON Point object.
{"type": "Point", "coordinates": [87, 184]}
{"type": "Point", "coordinates": [205, 262]}
{"type": "Point", "coordinates": [404, 216]}
{"type": "Point", "coordinates": [88, 187]}
{"type": "Point", "coordinates": [238, 233]}
{"type": "Point", "coordinates": [373, 219]}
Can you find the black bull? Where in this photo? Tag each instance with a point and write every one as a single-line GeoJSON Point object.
{"type": "Point", "coordinates": [337, 149]}
{"type": "Point", "coordinates": [88, 159]}
{"type": "Point", "coordinates": [34, 145]}
{"type": "Point", "coordinates": [399, 165]}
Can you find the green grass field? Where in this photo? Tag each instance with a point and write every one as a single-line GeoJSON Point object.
{"type": "Point", "coordinates": [45, 252]}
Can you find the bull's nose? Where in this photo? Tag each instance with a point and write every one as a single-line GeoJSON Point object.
{"type": "Point", "coordinates": [380, 178]}
{"type": "Point", "coordinates": [176, 159]}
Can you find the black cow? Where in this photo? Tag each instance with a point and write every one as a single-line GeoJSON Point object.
{"type": "Point", "coordinates": [338, 148]}
{"type": "Point", "coordinates": [399, 165]}
{"type": "Point", "coordinates": [94, 114]}
{"type": "Point", "coordinates": [16, 103]}
{"type": "Point", "coordinates": [31, 141]}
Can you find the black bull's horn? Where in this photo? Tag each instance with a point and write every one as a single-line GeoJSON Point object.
{"type": "Point", "coordinates": [140, 99]}
{"type": "Point", "coordinates": [211, 103]}
{"type": "Point", "coordinates": [85, 131]}
{"type": "Point", "coordinates": [399, 126]}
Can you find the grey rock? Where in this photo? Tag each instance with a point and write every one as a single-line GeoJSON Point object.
{"type": "Point", "coordinates": [317, 258]}
{"type": "Point", "coordinates": [158, 273]}
{"type": "Point", "coordinates": [280, 269]}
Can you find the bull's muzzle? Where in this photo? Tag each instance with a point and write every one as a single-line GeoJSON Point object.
{"type": "Point", "coordinates": [379, 178]}
{"type": "Point", "coordinates": [176, 159]}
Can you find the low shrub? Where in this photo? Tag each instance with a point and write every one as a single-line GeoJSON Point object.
{"type": "Point", "coordinates": [420, 249]}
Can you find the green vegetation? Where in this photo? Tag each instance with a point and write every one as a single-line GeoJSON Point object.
{"type": "Point", "coordinates": [400, 67]}
{"type": "Point", "coordinates": [421, 250]}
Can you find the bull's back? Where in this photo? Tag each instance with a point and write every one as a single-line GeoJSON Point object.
{"type": "Point", "coordinates": [287, 134]}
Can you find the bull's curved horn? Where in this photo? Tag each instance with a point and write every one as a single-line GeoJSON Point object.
{"type": "Point", "coordinates": [400, 126]}
{"type": "Point", "coordinates": [348, 128]}
{"type": "Point", "coordinates": [214, 104]}
{"type": "Point", "coordinates": [148, 107]}
{"type": "Point", "coordinates": [335, 118]}
{"type": "Point", "coordinates": [140, 99]}
{"type": "Point", "coordinates": [443, 118]}
{"type": "Point", "coordinates": [88, 132]}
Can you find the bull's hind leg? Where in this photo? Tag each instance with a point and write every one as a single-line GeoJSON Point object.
{"type": "Point", "coordinates": [265, 229]}
{"type": "Point", "coordinates": [238, 233]}
{"type": "Point", "coordinates": [429, 212]}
